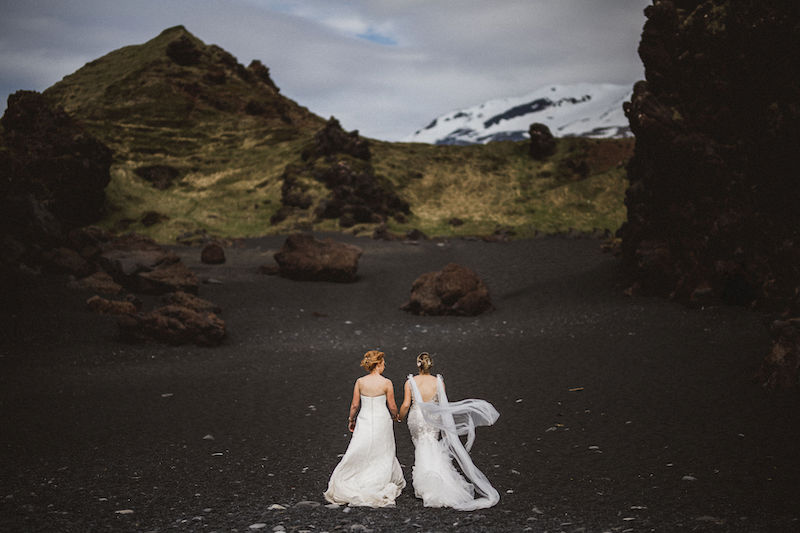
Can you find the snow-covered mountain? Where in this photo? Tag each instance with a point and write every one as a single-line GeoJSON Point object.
{"type": "Point", "coordinates": [580, 110]}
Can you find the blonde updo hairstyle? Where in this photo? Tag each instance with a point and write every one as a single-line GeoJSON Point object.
{"type": "Point", "coordinates": [371, 359]}
{"type": "Point", "coordinates": [424, 363]}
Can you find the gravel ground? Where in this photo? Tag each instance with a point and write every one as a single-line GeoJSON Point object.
{"type": "Point", "coordinates": [617, 414]}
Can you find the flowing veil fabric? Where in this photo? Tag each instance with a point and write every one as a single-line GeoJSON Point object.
{"type": "Point", "coordinates": [454, 419]}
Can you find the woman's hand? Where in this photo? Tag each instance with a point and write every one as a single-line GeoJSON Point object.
{"type": "Point", "coordinates": [351, 424]}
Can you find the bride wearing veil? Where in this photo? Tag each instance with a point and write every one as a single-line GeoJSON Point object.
{"type": "Point", "coordinates": [431, 416]}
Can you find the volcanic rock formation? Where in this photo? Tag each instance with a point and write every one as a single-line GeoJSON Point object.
{"type": "Point", "coordinates": [713, 196]}
{"type": "Point", "coordinates": [52, 173]}
{"type": "Point", "coordinates": [304, 258]}
{"type": "Point", "coordinates": [454, 290]}
{"type": "Point", "coordinates": [354, 194]}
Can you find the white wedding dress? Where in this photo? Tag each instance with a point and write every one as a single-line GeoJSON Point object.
{"type": "Point", "coordinates": [369, 473]}
{"type": "Point", "coordinates": [436, 480]}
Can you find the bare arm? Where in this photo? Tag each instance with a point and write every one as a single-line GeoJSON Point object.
{"type": "Point", "coordinates": [354, 405]}
{"type": "Point", "coordinates": [406, 401]}
{"type": "Point", "coordinates": [390, 399]}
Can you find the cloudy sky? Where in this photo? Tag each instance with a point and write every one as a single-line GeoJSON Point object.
{"type": "Point", "coordinates": [384, 67]}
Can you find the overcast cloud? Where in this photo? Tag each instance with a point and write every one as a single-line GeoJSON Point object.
{"type": "Point", "coordinates": [384, 67]}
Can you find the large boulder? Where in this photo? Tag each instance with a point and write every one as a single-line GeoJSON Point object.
{"type": "Point", "coordinates": [212, 254]}
{"type": "Point", "coordinates": [100, 282]}
{"type": "Point", "coordinates": [542, 144]}
{"type": "Point", "coordinates": [173, 324]}
{"type": "Point", "coordinates": [713, 195]}
{"type": "Point", "coordinates": [142, 265]}
{"type": "Point", "coordinates": [454, 290]}
{"type": "Point", "coordinates": [304, 258]}
{"type": "Point", "coordinates": [50, 158]}
{"type": "Point", "coordinates": [168, 278]}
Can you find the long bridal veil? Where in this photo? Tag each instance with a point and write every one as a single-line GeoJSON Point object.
{"type": "Point", "coordinates": [456, 419]}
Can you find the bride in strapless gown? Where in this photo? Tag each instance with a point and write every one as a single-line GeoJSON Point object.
{"type": "Point", "coordinates": [369, 473]}
{"type": "Point", "coordinates": [431, 416]}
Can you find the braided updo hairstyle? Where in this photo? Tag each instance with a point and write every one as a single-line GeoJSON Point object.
{"type": "Point", "coordinates": [371, 359]}
{"type": "Point", "coordinates": [424, 363]}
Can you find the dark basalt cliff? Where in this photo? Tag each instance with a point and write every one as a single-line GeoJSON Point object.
{"type": "Point", "coordinates": [714, 190]}
{"type": "Point", "coordinates": [52, 173]}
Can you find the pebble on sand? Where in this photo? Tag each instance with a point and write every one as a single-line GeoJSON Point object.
{"type": "Point", "coordinates": [306, 504]}
{"type": "Point", "coordinates": [276, 507]}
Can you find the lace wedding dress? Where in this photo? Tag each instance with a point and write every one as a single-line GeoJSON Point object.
{"type": "Point", "coordinates": [436, 480]}
{"type": "Point", "coordinates": [369, 473]}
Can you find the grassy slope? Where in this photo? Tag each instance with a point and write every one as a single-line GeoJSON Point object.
{"type": "Point", "coordinates": [136, 100]}
{"type": "Point", "coordinates": [499, 184]}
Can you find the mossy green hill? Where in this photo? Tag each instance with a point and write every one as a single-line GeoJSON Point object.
{"type": "Point", "coordinates": [201, 142]}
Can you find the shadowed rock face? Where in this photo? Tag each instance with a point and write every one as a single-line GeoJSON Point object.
{"type": "Point", "coordinates": [542, 142]}
{"type": "Point", "coordinates": [213, 254]}
{"type": "Point", "coordinates": [713, 198]}
{"type": "Point", "coordinates": [48, 159]}
{"type": "Point", "coordinates": [340, 161]}
{"type": "Point", "coordinates": [304, 258]}
{"type": "Point", "coordinates": [173, 324]}
{"type": "Point", "coordinates": [713, 183]}
{"type": "Point", "coordinates": [454, 290]}
{"type": "Point", "coordinates": [332, 140]}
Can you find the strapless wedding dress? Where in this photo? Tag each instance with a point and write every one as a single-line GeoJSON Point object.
{"type": "Point", "coordinates": [435, 478]}
{"type": "Point", "coordinates": [369, 473]}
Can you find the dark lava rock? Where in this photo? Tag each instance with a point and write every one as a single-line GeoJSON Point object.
{"type": "Point", "coordinates": [168, 278]}
{"type": "Point", "coordinates": [48, 159]}
{"type": "Point", "coordinates": [542, 144]}
{"type": "Point", "coordinates": [142, 265]}
{"type": "Point", "coordinates": [781, 366]}
{"type": "Point", "coordinates": [269, 270]}
{"type": "Point", "coordinates": [192, 302]}
{"type": "Point", "coordinates": [151, 218]}
{"type": "Point", "coordinates": [416, 235]}
{"type": "Point", "coordinates": [332, 139]}
{"type": "Point", "coordinates": [261, 73]}
{"type": "Point", "coordinates": [454, 290]}
{"type": "Point", "coordinates": [339, 161]}
{"type": "Point", "coordinates": [100, 282]}
{"type": "Point", "coordinates": [357, 195]}
{"type": "Point", "coordinates": [127, 255]}
{"type": "Point", "coordinates": [173, 324]}
{"type": "Point", "coordinates": [212, 254]}
{"type": "Point", "coordinates": [713, 195]}
{"type": "Point", "coordinates": [66, 260]}
{"type": "Point", "coordinates": [104, 306]}
{"type": "Point", "coordinates": [381, 232]}
{"type": "Point", "coordinates": [713, 182]}
{"type": "Point", "coordinates": [302, 257]}
{"type": "Point", "coordinates": [159, 176]}
{"type": "Point", "coordinates": [183, 51]}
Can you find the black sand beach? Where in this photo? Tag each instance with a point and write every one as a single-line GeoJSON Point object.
{"type": "Point", "coordinates": [617, 413]}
